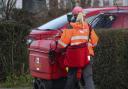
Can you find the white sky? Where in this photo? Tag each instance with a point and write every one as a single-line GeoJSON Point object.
{"type": "Point", "coordinates": [19, 4]}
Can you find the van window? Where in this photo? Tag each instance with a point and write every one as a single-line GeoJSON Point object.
{"type": "Point", "coordinates": [103, 21]}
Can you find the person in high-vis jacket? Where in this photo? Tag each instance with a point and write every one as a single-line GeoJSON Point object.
{"type": "Point", "coordinates": [79, 41]}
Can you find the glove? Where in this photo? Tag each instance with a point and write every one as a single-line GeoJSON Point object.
{"type": "Point", "coordinates": [90, 58]}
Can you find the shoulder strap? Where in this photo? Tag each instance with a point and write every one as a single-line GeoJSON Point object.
{"type": "Point", "coordinates": [69, 26]}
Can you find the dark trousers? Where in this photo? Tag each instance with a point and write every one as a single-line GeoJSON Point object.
{"type": "Point", "coordinates": [71, 79]}
{"type": "Point", "coordinates": [88, 77]}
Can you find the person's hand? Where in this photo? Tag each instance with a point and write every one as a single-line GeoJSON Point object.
{"type": "Point", "coordinates": [90, 58]}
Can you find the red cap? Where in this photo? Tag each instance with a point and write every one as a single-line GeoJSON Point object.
{"type": "Point", "coordinates": [77, 10]}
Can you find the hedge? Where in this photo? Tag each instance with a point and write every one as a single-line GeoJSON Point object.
{"type": "Point", "coordinates": [13, 50]}
{"type": "Point", "coordinates": [111, 60]}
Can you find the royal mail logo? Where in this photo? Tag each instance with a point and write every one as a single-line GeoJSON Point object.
{"type": "Point", "coordinates": [37, 63]}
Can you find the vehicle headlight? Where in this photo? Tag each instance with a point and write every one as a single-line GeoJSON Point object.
{"type": "Point", "coordinates": [29, 41]}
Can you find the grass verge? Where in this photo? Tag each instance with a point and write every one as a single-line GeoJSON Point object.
{"type": "Point", "coordinates": [12, 81]}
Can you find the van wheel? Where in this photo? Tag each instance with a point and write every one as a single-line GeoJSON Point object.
{"type": "Point", "coordinates": [42, 84]}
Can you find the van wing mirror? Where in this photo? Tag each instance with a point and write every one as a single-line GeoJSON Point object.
{"type": "Point", "coordinates": [69, 17]}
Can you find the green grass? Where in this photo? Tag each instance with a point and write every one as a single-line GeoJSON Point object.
{"type": "Point", "coordinates": [24, 80]}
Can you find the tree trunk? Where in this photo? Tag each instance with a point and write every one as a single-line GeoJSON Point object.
{"type": "Point", "coordinates": [27, 5]}
{"type": "Point", "coordinates": [53, 4]}
{"type": "Point", "coordinates": [83, 3]}
{"type": "Point", "coordinates": [34, 6]}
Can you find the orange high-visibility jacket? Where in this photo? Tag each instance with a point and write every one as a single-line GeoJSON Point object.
{"type": "Point", "coordinates": [79, 34]}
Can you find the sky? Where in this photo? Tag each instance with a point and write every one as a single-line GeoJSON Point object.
{"type": "Point", "coordinates": [19, 4]}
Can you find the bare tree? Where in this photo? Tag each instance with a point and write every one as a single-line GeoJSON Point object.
{"type": "Point", "coordinates": [34, 6]}
{"type": "Point", "coordinates": [53, 4]}
{"type": "Point", "coordinates": [7, 7]}
{"type": "Point", "coordinates": [82, 3]}
{"type": "Point", "coordinates": [87, 3]}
